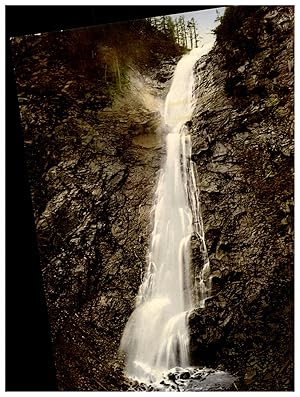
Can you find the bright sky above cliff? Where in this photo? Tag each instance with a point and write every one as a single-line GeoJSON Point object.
{"type": "Point", "coordinates": [206, 21]}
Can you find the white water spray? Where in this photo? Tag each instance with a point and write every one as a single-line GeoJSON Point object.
{"type": "Point", "coordinates": [156, 336]}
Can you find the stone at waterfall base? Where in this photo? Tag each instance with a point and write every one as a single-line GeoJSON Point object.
{"type": "Point", "coordinates": [190, 379]}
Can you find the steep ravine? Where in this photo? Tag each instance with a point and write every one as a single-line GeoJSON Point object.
{"type": "Point", "coordinates": [93, 170]}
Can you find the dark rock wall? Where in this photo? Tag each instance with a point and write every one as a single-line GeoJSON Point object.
{"type": "Point", "coordinates": [93, 171]}
{"type": "Point", "coordinates": [93, 235]}
{"type": "Point", "coordinates": [243, 148]}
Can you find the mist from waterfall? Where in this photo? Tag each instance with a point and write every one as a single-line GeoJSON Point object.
{"type": "Point", "coordinates": [156, 337]}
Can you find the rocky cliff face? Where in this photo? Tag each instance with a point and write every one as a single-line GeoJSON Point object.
{"type": "Point", "coordinates": [93, 172]}
{"type": "Point", "coordinates": [243, 148]}
{"type": "Point", "coordinates": [92, 162]}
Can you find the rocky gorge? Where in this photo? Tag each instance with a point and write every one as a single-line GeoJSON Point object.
{"type": "Point", "coordinates": [93, 165]}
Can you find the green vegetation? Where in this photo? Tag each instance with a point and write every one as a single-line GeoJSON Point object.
{"type": "Point", "coordinates": [183, 32]}
{"type": "Point", "coordinates": [94, 59]}
{"type": "Point", "coordinates": [106, 52]}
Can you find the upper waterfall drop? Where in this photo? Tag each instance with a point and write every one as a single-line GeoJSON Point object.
{"type": "Point", "coordinates": [156, 336]}
{"type": "Point", "coordinates": [179, 102]}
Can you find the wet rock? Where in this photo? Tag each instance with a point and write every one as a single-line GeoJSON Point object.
{"type": "Point", "coordinates": [212, 382]}
{"type": "Point", "coordinates": [184, 375]}
{"type": "Point", "coordinates": [190, 379]}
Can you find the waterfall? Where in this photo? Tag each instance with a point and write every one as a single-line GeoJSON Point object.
{"type": "Point", "coordinates": [156, 336]}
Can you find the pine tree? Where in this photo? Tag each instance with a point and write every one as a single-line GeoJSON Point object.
{"type": "Point", "coordinates": [163, 24]}
{"type": "Point", "coordinates": [182, 31]}
{"type": "Point", "coordinates": [177, 28]}
{"type": "Point", "coordinates": [190, 32]}
{"type": "Point", "coordinates": [170, 27]}
{"type": "Point", "coordinates": [195, 34]}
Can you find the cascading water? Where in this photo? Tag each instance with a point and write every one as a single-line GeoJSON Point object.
{"type": "Point", "coordinates": [156, 336]}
